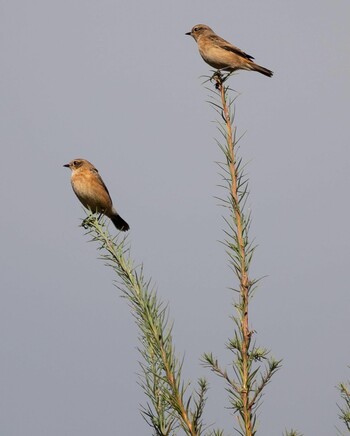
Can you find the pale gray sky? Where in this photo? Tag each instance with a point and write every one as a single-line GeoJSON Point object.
{"type": "Point", "coordinates": [118, 83]}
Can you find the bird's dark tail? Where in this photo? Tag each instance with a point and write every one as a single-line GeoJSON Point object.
{"type": "Point", "coordinates": [260, 69]}
{"type": "Point", "coordinates": [120, 224]}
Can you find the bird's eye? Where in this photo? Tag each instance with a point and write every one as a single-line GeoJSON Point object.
{"type": "Point", "coordinates": [196, 29]}
{"type": "Point", "coordinates": [75, 163]}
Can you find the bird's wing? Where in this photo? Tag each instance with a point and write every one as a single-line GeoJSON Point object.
{"type": "Point", "coordinates": [217, 40]}
{"type": "Point", "coordinates": [99, 178]}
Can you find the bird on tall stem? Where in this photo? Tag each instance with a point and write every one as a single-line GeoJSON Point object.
{"type": "Point", "coordinates": [222, 55]}
{"type": "Point", "coordinates": [90, 189]}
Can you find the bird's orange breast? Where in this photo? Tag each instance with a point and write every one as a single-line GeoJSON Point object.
{"type": "Point", "coordinates": [91, 191]}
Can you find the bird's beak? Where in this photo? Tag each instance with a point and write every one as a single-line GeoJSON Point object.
{"type": "Point", "coordinates": [188, 33]}
{"type": "Point", "coordinates": [66, 165]}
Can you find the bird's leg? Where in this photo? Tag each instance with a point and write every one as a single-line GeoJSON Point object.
{"type": "Point", "coordinates": [86, 223]}
{"type": "Point", "coordinates": [217, 78]}
{"type": "Point", "coordinates": [226, 77]}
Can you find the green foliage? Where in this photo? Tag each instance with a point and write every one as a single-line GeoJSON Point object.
{"type": "Point", "coordinates": [167, 407]}
{"type": "Point", "coordinates": [344, 415]}
{"type": "Point", "coordinates": [249, 377]}
{"type": "Point", "coordinates": [292, 433]}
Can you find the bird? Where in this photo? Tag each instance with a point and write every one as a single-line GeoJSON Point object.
{"type": "Point", "coordinates": [90, 189]}
{"type": "Point", "coordinates": [222, 55]}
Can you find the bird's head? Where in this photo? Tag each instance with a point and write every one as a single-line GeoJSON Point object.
{"type": "Point", "coordinates": [77, 163]}
{"type": "Point", "coordinates": [199, 30]}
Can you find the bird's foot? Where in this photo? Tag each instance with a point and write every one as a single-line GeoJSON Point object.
{"type": "Point", "coordinates": [86, 223]}
{"type": "Point", "coordinates": [218, 78]}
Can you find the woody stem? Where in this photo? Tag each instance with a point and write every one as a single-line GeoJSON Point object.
{"type": "Point", "coordinates": [244, 284]}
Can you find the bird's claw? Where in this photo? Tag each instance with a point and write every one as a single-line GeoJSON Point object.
{"type": "Point", "coordinates": [218, 78]}
{"type": "Point", "coordinates": [86, 223]}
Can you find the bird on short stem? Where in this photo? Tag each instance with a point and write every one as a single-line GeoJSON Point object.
{"type": "Point", "coordinates": [221, 54]}
{"type": "Point", "coordinates": [90, 189]}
